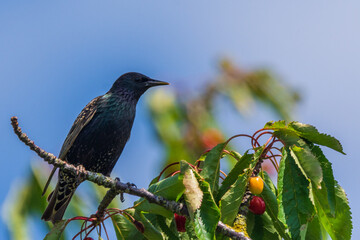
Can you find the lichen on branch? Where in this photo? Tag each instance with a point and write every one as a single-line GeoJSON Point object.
{"type": "Point", "coordinates": [116, 187]}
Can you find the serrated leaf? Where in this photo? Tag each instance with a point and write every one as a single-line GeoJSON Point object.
{"type": "Point", "coordinates": [170, 188]}
{"type": "Point", "coordinates": [207, 217]}
{"type": "Point", "coordinates": [233, 175]}
{"type": "Point", "coordinates": [263, 228]}
{"type": "Point", "coordinates": [340, 226]}
{"type": "Point", "coordinates": [56, 231]}
{"type": "Point", "coordinates": [169, 233]}
{"type": "Point", "coordinates": [294, 202]}
{"type": "Point", "coordinates": [193, 193]}
{"type": "Point", "coordinates": [211, 167]}
{"type": "Point", "coordinates": [125, 229]}
{"type": "Point", "coordinates": [190, 229]}
{"type": "Point", "coordinates": [272, 210]}
{"type": "Point", "coordinates": [231, 201]}
{"type": "Point", "coordinates": [310, 133]}
{"type": "Point", "coordinates": [328, 177]}
{"type": "Point", "coordinates": [308, 163]}
{"type": "Point", "coordinates": [275, 125]}
{"type": "Point", "coordinates": [315, 230]}
{"type": "Point", "coordinates": [307, 132]}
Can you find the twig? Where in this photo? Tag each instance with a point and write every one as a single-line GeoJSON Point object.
{"type": "Point", "coordinates": [109, 196]}
{"type": "Point", "coordinates": [229, 232]}
{"type": "Point", "coordinates": [115, 186]}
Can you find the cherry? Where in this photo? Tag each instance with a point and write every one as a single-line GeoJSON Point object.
{"type": "Point", "coordinates": [180, 222]}
{"type": "Point", "coordinates": [256, 185]}
{"type": "Point", "coordinates": [257, 205]}
{"type": "Point", "coordinates": [139, 226]}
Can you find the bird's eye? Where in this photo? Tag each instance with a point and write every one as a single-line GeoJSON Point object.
{"type": "Point", "coordinates": [140, 80]}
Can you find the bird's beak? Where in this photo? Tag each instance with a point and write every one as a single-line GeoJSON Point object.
{"type": "Point", "coordinates": [153, 82]}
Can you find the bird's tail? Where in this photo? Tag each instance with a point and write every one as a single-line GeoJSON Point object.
{"type": "Point", "coordinates": [60, 198]}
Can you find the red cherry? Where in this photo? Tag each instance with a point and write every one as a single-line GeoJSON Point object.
{"type": "Point", "coordinates": [180, 222]}
{"type": "Point", "coordinates": [139, 226]}
{"type": "Point", "coordinates": [88, 238]}
{"type": "Point", "coordinates": [257, 205]}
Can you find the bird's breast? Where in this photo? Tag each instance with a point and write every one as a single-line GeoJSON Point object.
{"type": "Point", "coordinates": [102, 140]}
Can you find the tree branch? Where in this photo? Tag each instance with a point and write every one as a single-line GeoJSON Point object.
{"type": "Point", "coordinates": [115, 186]}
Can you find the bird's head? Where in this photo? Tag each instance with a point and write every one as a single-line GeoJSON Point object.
{"type": "Point", "coordinates": [136, 82]}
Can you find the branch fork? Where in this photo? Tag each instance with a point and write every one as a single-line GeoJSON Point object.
{"type": "Point", "coordinates": [115, 186]}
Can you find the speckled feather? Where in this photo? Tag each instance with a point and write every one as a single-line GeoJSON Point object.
{"type": "Point", "coordinates": [97, 137]}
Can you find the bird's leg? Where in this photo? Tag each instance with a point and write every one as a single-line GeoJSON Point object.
{"type": "Point", "coordinates": [131, 185]}
{"type": "Point", "coordinates": [122, 199]}
{"type": "Point", "coordinates": [80, 172]}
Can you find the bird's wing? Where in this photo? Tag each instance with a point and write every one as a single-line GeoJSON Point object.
{"type": "Point", "coordinates": [81, 121]}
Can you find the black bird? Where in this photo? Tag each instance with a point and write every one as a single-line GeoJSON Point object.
{"type": "Point", "coordinates": [98, 137]}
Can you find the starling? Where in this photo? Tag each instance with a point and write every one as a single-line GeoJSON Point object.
{"type": "Point", "coordinates": [98, 137]}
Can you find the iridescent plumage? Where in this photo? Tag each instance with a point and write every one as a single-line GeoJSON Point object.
{"type": "Point", "coordinates": [98, 137]}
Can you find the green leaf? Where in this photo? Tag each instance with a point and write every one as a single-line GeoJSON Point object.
{"type": "Point", "coordinates": [211, 167]}
{"type": "Point", "coordinates": [268, 181]}
{"type": "Point", "coordinates": [250, 222]}
{"type": "Point", "coordinates": [272, 209]}
{"type": "Point", "coordinates": [315, 230]}
{"type": "Point", "coordinates": [308, 163]}
{"type": "Point", "coordinates": [231, 201]}
{"type": "Point", "coordinates": [236, 155]}
{"type": "Point", "coordinates": [307, 132]}
{"type": "Point", "coordinates": [190, 229]}
{"type": "Point", "coordinates": [169, 233]}
{"type": "Point", "coordinates": [155, 180]}
{"type": "Point", "coordinates": [328, 177]}
{"type": "Point", "coordinates": [56, 231]}
{"type": "Point", "coordinates": [233, 175]}
{"type": "Point", "coordinates": [150, 232]}
{"type": "Point", "coordinates": [275, 125]}
{"type": "Point", "coordinates": [263, 228]}
{"type": "Point", "coordinates": [207, 216]}
{"type": "Point", "coordinates": [124, 228]}
{"type": "Point", "coordinates": [340, 226]}
{"type": "Point", "coordinates": [294, 202]}
{"type": "Point", "coordinates": [304, 158]}
{"type": "Point", "coordinates": [310, 133]}
{"type": "Point", "coordinates": [170, 188]}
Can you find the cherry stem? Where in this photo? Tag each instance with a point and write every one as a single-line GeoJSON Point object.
{"type": "Point", "coordinates": [172, 164]}
{"type": "Point", "coordinates": [223, 173]}
{"type": "Point", "coordinates": [107, 235]}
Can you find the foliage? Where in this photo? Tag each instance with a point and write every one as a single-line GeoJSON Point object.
{"type": "Point", "coordinates": [305, 202]}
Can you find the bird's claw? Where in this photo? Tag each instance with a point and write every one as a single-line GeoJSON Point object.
{"type": "Point", "coordinates": [122, 199]}
{"type": "Point", "coordinates": [131, 185]}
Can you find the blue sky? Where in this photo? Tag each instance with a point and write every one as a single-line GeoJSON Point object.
{"type": "Point", "coordinates": [57, 56]}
